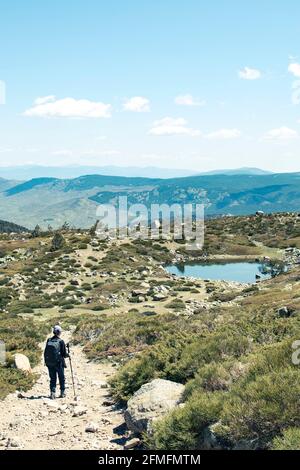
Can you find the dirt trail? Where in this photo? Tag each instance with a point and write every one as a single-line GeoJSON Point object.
{"type": "Point", "coordinates": [35, 422]}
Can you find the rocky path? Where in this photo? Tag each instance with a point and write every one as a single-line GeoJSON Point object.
{"type": "Point", "coordinates": [32, 421]}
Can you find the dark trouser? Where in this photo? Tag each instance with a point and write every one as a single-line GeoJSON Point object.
{"type": "Point", "coordinates": [53, 373]}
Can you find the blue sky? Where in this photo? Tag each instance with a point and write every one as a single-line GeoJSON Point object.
{"type": "Point", "coordinates": [194, 84]}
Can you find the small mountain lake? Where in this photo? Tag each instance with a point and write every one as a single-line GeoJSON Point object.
{"type": "Point", "coordinates": [234, 271]}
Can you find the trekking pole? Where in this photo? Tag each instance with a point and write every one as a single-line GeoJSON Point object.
{"type": "Point", "coordinates": [71, 368]}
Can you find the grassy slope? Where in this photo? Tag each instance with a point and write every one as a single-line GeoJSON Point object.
{"type": "Point", "coordinates": [234, 355]}
{"type": "Point", "coordinates": [75, 200]}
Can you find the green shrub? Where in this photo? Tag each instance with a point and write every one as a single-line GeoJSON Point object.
{"type": "Point", "coordinates": [157, 361]}
{"type": "Point", "coordinates": [183, 428]}
{"type": "Point", "coordinates": [215, 347]}
{"type": "Point", "coordinates": [290, 440]}
{"type": "Point", "coordinates": [176, 304]}
{"type": "Point", "coordinates": [58, 242]}
{"type": "Point", "coordinates": [99, 308]}
{"type": "Point", "coordinates": [211, 377]}
{"type": "Point", "coordinates": [68, 306]}
{"type": "Point", "coordinates": [13, 379]}
{"type": "Point", "coordinates": [6, 295]}
{"type": "Point", "coordinates": [263, 408]}
{"type": "Point", "coordinates": [82, 246]}
{"type": "Point", "coordinates": [86, 286]}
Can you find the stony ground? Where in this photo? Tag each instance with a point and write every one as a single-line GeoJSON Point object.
{"type": "Point", "coordinates": [32, 421]}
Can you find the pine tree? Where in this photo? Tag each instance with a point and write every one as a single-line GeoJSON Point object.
{"type": "Point", "coordinates": [36, 231]}
{"type": "Point", "coordinates": [58, 242]}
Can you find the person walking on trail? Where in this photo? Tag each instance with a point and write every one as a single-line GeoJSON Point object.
{"type": "Point", "coordinates": [54, 355]}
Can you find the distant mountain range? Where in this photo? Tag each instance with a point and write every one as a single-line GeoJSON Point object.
{"type": "Point", "coordinates": [9, 227]}
{"type": "Point", "coordinates": [53, 201]}
{"type": "Point", "coordinates": [27, 172]}
{"type": "Point", "coordinates": [239, 171]}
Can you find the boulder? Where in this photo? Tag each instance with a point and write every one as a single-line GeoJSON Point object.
{"type": "Point", "coordinates": [145, 285]}
{"type": "Point", "coordinates": [284, 312]}
{"type": "Point", "coordinates": [22, 363]}
{"type": "Point", "coordinates": [151, 402]}
{"type": "Point", "coordinates": [132, 443]}
{"type": "Point", "coordinates": [139, 292]}
{"type": "Point", "coordinates": [159, 297]}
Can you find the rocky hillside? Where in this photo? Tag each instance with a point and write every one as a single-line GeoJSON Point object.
{"type": "Point", "coordinates": [53, 201]}
{"type": "Point", "coordinates": [196, 363]}
{"type": "Point", "coordinates": [9, 227]}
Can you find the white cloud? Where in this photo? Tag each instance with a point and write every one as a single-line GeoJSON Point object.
{"type": "Point", "coordinates": [249, 74]}
{"type": "Point", "coordinates": [282, 133]}
{"type": "Point", "coordinates": [172, 126]}
{"type": "Point", "coordinates": [294, 69]}
{"type": "Point", "coordinates": [188, 100]}
{"type": "Point", "coordinates": [44, 99]}
{"type": "Point", "coordinates": [137, 104]}
{"type": "Point", "coordinates": [69, 107]}
{"type": "Point", "coordinates": [224, 134]}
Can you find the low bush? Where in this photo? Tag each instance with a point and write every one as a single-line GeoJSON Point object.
{"type": "Point", "coordinates": [262, 409]}
{"type": "Point", "coordinates": [13, 379]}
{"type": "Point", "coordinates": [183, 428]}
{"type": "Point", "coordinates": [289, 440]}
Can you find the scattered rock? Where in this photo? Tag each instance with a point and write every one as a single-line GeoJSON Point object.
{"type": "Point", "coordinates": [132, 443]}
{"type": "Point", "coordinates": [63, 408]}
{"type": "Point", "coordinates": [159, 297]}
{"type": "Point", "coordinates": [52, 405]}
{"type": "Point", "coordinates": [139, 292]}
{"type": "Point", "coordinates": [12, 442]}
{"type": "Point", "coordinates": [152, 401]}
{"type": "Point", "coordinates": [145, 285]}
{"type": "Point", "coordinates": [108, 403]}
{"type": "Point", "coordinates": [55, 433]}
{"type": "Point", "coordinates": [22, 363]}
{"type": "Point", "coordinates": [284, 312]}
{"type": "Point", "coordinates": [92, 427]}
{"type": "Point", "coordinates": [100, 383]}
{"type": "Point", "coordinates": [79, 411]}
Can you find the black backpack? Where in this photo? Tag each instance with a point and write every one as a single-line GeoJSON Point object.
{"type": "Point", "coordinates": [52, 354]}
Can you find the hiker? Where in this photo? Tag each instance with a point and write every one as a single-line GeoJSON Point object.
{"type": "Point", "coordinates": [54, 355]}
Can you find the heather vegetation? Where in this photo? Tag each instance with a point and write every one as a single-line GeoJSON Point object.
{"type": "Point", "coordinates": [229, 344]}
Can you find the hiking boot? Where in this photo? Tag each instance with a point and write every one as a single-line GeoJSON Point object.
{"type": "Point", "coordinates": [62, 395]}
{"type": "Point", "coordinates": [52, 396]}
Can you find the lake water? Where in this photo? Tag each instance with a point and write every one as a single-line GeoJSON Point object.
{"type": "Point", "coordinates": [239, 272]}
